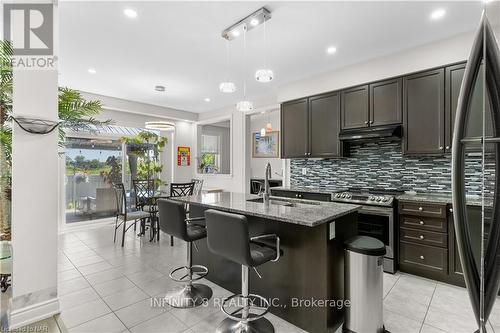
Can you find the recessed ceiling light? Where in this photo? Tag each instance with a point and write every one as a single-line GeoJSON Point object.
{"type": "Point", "coordinates": [331, 50]}
{"type": "Point", "coordinates": [130, 13]}
{"type": "Point", "coordinates": [438, 14]}
{"type": "Point", "coordinates": [91, 70]}
{"type": "Point", "coordinates": [160, 88]}
{"type": "Point", "coordinates": [235, 33]}
{"type": "Point", "coordinates": [206, 99]}
{"type": "Point", "coordinates": [254, 22]}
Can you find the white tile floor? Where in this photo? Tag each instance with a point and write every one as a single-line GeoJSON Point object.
{"type": "Point", "coordinates": [105, 288]}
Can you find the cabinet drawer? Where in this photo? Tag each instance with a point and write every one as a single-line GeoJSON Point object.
{"type": "Point", "coordinates": [424, 257]}
{"type": "Point", "coordinates": [424, 237]}
{"type": "Point", "coordinates": [422, 209]}
{"type": "Point", "coordinates": [424, 223]}
{"type": "Point", "coordinates": [284, 194]}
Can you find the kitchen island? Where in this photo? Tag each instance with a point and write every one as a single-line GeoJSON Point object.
{"type": "Point", "coordinates": [306, 286]}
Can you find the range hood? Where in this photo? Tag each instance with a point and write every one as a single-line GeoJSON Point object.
{"type": "Point", "coordinates": [371, 133]}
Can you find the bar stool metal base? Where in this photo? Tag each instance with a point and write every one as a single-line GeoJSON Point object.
{"type": "Point", "coordinates": [261, 325]}
{"type": "Point", "coordinates": [189, 296]}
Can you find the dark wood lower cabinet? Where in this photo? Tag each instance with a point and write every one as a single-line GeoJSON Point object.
{"type": "Point", "coordinates": [428, 246]}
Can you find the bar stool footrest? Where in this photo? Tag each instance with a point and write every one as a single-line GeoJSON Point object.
{"type": "Point", "coordinates": [197, 272]}
{"type": "Point", "coordinates": [251, 298]}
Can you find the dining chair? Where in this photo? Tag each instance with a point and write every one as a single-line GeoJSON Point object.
{"type": "Point", "coordinates": [122, 215]}
{"type": "Point", "coordinates": [144, 190]}
{"type": "Point", "coordinates": [198, 186]}
{"type": "Point", "coordinates": [180, 190]}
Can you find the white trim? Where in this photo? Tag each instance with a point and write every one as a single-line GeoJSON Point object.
{"type": "Point", "coordinates": [33, 313]}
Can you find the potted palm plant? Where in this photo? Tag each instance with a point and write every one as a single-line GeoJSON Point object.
{"type": "Point", "coordinates": [75, 114]}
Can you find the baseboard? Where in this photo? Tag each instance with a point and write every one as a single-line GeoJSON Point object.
{"type": "Point", "coordinates": [33, 313]}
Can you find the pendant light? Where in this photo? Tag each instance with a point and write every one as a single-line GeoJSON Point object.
{"type": "Point", "coordinates": [264, 75]}
{"type": "Point", "coordinates": [269, 126]}
{"type": "Point", "coordinates": [244, 105]}
{"type": "Point", "coordinates": [227, 86]}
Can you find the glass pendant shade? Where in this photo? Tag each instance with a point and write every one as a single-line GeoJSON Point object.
{"type": "Point", "coordinates": [262, 131]}
{"type": "Point", "coordinates": [244, 106]}
{"type": "Point", "coordinates": [264, 75]}
{"type": "Point", "coordinates": [227, 87]}
{"type": "Point", "coordinates": [269, 127]}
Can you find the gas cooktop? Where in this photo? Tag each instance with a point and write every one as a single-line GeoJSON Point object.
{"type": "Point", "coordinates": [375, 196]}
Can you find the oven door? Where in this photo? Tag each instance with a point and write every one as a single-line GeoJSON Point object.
{"type": "Point", "coordinates": [378, 222]}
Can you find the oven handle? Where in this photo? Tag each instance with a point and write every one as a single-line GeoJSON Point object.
{"type": "Point", "coordinates": [382, 211]}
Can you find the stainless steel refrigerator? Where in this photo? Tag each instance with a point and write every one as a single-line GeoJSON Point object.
{"type": "Point", "coordinates": [478, 238]}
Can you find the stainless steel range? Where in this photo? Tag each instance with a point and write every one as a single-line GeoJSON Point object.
{"type": "Point", "coordinates": [376, 218]}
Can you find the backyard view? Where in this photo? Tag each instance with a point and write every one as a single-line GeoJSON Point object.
{"type": "Point", "coordinates": [92, 166]}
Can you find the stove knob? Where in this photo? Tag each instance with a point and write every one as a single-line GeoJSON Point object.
{"type": "Point", "coordinates": [378, 199]}
{"type": "Point", "coordinates": [349, 196]}
{"type": "Point", "coordinates": [344, 195]}
{"type": "Point", "coordinates": [337, 195]}
{"type": "Point", "coordinates": [371, 198]}
{"type": "Point", "coordinates": [385, 199]}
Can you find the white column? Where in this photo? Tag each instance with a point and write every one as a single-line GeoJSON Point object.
{"type": "Point", "coordinates": [35, 198]}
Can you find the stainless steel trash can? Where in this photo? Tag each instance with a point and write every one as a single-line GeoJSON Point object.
{"type": "Point", "coordinates": [363, 285]}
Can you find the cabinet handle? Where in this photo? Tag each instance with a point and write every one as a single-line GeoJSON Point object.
{"type": "Point", "coordinates": [296, 195]}
{"type": "Point", "coordinates": [451, 210]}
{"type": "Point", "coordinates": [448, 147]}
{"type": "Point", "coordinates": [367, 122]}
{"type": "Point", "coordinates": [441, 147]}
{"type": "Point", "coordinates": [420, 209]}
{"type": "Point", "coordinates": [305, 154]}
{"type": "Point", "coordinates": [421, 236]}
{"type": "Point", "coordinates": [422, 223]}
{"type": "Point", "coordinates": [422, 257]}
{"type": "Point", "coordinates": [371, 121]}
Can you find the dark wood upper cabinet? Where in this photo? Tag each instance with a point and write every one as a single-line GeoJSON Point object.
{"type": "Point", "coordinates": [324, 125]}
{"type": "Point", "coordinates": [355, 107]}
{"type": "Point", "coordinates": [294, 129]}
{"type": "Point", "coordinates": [454, 76]}
{"type": "Point", "coordinates": [386, 102]}
{"type": "Point", "coordinates": [423, 113]}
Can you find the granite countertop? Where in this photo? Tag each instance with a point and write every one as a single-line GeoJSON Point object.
{"type": "Point", "coordinates": [472, 200]}
{"type": "Point", "coordinates": [303, 212]}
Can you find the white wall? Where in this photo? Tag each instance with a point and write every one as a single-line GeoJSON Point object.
{"type": "Point", "coordinates": [419, 58]}
{"type": "Point", "coordinates": [258, 165]}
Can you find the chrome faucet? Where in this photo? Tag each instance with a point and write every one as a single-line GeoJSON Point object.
{"type": "Point", "coordinates": [267, 188]}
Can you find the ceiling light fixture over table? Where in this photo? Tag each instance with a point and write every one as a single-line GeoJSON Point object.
{"type": "Point", "coordinates": [159, 125]}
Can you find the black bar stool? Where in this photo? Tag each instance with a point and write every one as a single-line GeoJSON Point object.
{"type": "Point", "coordinates": [228, 237]}
{"type": "Point", "coordinates": [173, 221]}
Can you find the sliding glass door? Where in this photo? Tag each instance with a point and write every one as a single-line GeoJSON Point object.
{"type": "Point", "coordinates": [92, 166]}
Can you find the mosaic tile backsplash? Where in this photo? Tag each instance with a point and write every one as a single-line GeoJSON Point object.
{"type": "Point", "coordinates": [381, 164]}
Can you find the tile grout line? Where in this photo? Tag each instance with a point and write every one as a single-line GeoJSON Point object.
{"type": "Point", "coordinates": [102, 299]}
{"type": "Point", "coordinates": [427, 310]}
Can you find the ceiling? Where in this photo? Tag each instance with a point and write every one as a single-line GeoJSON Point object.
{"type": "Point", "coordinates": [178, 44]}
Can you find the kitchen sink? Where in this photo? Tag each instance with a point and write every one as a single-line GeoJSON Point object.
{"type": "Point", "coordinates": [274, 202]}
